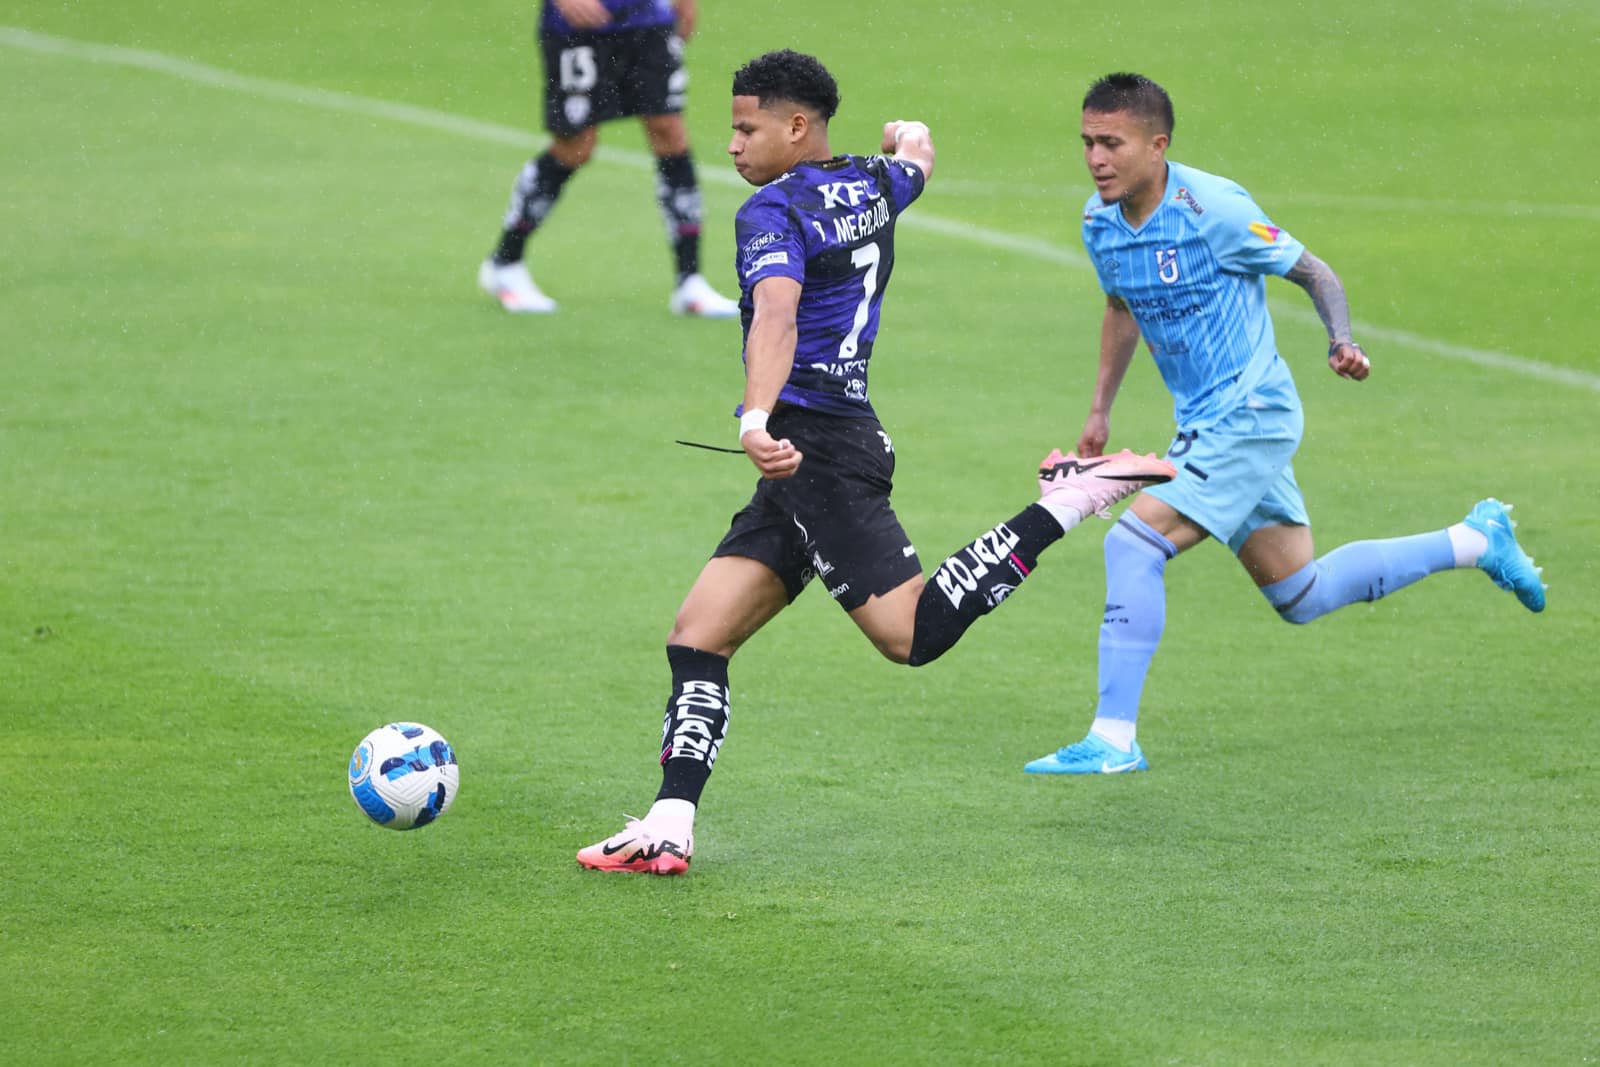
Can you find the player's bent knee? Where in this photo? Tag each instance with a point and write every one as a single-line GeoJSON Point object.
{"type": "Point", "coordinates": [1298, 599]}
{"type": "Point", "coordinates": [898, 653]}
{"type": "Point", "coordinates": [574, 152]}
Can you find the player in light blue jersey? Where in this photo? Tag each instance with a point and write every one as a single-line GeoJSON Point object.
{"type": "Point", "coordinates": [1183, 257]}
{"type": "Point", "coordinates": [815, 252]}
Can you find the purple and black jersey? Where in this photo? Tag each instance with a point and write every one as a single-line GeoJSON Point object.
{"type": "Point", "coordinates": [625, 15]}
{"type": "Point", "coordinates": [830, 227]}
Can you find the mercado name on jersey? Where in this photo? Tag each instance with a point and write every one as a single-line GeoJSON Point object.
{"type": "Point", "coordinates": [1194, 278]}
{"type": "Point", "coordinates": [829, 226]}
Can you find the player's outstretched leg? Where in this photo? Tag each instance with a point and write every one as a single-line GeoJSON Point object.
{"type": "Point", "coordinates": [1504, 560]}
{"type": "Point", "coordinates": [974, 581]}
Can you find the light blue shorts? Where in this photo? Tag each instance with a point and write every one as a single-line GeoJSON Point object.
{"type": "Point", "coordinates": [1234, 476]}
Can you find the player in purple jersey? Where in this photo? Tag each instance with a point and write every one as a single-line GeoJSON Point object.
{"type": "Point", "coordinates": [604, 60]}
{"type": "Point", "coordinates": [1181, 255]}
{"type": "Point", "coordinates": [816, 247]}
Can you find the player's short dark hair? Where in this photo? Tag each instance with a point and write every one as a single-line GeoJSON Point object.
{"type": "Point", "coordinates": [792, 76]}
{"type": "Point", "coordinates": [1133, 93]}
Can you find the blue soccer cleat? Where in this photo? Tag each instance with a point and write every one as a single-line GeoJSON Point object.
{"type": "Point", "coordinates": [1093, 755]}
{"type": "Point", "coordinates": [1504, 560]}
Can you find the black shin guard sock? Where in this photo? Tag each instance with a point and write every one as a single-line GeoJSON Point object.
{"type": "Point", "coordinates": [532, 197]}
{"type": "Point", "coordinates": [695, 723]}
{"type": "Point", "coordinates": [679, 198]}
{"type": "Point", "coordinates": [976, 579]}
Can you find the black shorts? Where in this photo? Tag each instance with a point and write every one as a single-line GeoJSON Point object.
{"type": "Point", "coordinates": [832, 518]}
{"type": "Point", "coordinates": [590, 78]}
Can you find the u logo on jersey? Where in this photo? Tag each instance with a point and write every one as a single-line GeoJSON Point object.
{"type": "Point", "coordinates": [1167, 264]}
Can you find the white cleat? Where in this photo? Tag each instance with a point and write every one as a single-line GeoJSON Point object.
{"type": "Point", "coordinates": [694, 296]}
{"type": "Point", "coordinates": [513, 287]}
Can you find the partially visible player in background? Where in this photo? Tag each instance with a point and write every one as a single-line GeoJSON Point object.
{"type": "Point", "coordinates": [604, 60]}
{"type": "Point", "coordinates": [815, 250]}
{"type": "Point", "coordinates": [1182, 256]}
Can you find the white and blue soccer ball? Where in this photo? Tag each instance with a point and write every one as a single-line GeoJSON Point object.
{"type": "Point", "coordinates": [404, 775]}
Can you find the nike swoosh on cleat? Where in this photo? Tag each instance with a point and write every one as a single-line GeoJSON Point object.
{"type": "Point", "coordinates": [1072, 465]}
{"type": "Point", "coordinates": [1107, 768]}
{"type": "Point", "coordinates": [612, 850]}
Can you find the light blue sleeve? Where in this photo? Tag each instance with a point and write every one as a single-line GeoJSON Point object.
{"type": "Point", "coordinates": [1240, 234]}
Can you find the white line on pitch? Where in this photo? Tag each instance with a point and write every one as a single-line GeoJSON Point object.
{"type": "Point", "coordinates": [1032, 247]}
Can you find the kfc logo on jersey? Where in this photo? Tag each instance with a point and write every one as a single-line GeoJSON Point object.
{"type": "Point", "coordinates": [843, 194]}
{"type": "Point", "coordinates": [1167, 264]}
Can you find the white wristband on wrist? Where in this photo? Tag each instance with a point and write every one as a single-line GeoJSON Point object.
{"type": "Point", "coordinates": [752, 419]}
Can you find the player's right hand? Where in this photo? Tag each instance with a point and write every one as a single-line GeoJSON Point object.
{"type": "Point", "coordinates": [1096, 432]}
{"type": "Point", "coordinates": [583, 14]}
{"type": "Point", "coordinates": [773, 458]}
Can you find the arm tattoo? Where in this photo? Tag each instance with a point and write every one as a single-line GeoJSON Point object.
{"type": "Point", "coordinates": [1326, 292]}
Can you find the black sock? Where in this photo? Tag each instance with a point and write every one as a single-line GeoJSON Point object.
{"type": "Point", "coordinates": [976, 579]}
{"type": "Point", "coordinates": [531, 200]}
{"type": "Point", "coordinates": [679, 198]}
{"type": "Point", "coordinates": [695, 723]}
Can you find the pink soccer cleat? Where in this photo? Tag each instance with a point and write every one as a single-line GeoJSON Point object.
{"type": "Point", "coordinates": [635, 849]}
{"type": "Point", "coordinates": [1091, 486]}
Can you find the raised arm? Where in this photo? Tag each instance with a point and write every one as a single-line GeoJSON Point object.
{"type": "Point", "coordinates": [910, 140]}
{"type": "Point", "coordinates": [1119, 339]}
{"type": "Point", "coordinates": [1345, 357]}
{"type": "Point", "coordinates": [768, 358]}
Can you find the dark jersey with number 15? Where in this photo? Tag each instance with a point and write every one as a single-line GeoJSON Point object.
{"type": "Point", "coordinates": [830, 227]}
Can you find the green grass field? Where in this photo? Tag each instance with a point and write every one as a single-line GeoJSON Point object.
{"type": "Point", "coordinates": [272, 473]}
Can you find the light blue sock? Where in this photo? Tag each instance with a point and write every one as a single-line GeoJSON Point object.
{"type": "Point", "coordinates": [1136, 613]}
{"type": "Point", "coordinates": [1361, 570]}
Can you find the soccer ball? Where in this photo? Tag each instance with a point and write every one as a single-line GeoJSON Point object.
{"type": "Point", "coordinates": [404, 775]}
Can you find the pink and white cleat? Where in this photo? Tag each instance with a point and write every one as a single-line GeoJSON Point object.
{"type": "Point", "coordinates": [694, 296]}
{"type": "Point", "coordinates": [1091, 486]}
{"type": "Point", "coordinates": [635, 849]}
{"type": "Point", "coordinates": [513, 286]}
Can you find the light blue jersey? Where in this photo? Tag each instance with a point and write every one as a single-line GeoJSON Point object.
{"type": "Point", "coordinates": [1193, 277]}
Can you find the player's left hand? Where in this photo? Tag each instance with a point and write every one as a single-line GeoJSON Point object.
{"type": "Point", "coordinates": [1347, 360]}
